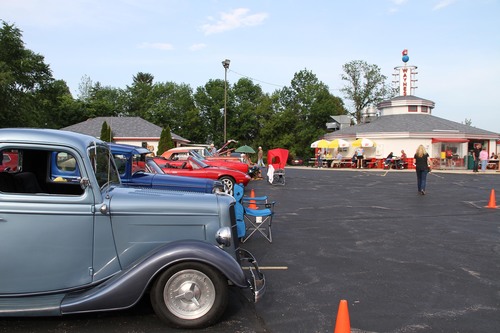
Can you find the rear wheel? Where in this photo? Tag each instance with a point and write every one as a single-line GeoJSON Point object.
{"type": "Point", "coordinates": [229, 182]}
{"type": "Point", "coordinates": [190, 295]}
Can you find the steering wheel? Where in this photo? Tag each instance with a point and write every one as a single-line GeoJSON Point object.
{"type": "Point", "coordinates": [138, 171]}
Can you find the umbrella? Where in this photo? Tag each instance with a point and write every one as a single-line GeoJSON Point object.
{"type": "Point", "coordinates": [366, 143]}
{"type": "Point", "coordinates": [245, 149]}
{"type": "Point", "coordinates": [338, 143]}
{"type": "Point", "coordinates": [320, 144]}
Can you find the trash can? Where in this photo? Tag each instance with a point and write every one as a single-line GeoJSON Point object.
{"type": "Point", "coordinates": [470, 162]}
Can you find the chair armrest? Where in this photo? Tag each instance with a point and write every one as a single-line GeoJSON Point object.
{"type": "Point", "coordinates": [270, 205]}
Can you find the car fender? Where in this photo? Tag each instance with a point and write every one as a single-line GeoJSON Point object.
{"type": "Point", "coordinates": [124, 289]}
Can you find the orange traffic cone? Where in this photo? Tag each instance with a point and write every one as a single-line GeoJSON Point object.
{"type": "Point", "coordinates": [343, 325]}
{"type": "Point", "coordinates": [492, 203]}
{"type": "Point", "coordinates": [252, 204]}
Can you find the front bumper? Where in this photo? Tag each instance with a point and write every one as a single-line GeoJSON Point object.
{"type": "Point", "coordinates": [255, 278]}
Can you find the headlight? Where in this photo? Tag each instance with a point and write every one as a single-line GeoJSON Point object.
{"type": "Point", "coordinates": [223, 236]}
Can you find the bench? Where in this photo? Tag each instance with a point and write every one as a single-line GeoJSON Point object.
{"type": "Point", "coordinates": [335, 163]}
{"type": "Point", "coordinates": [372, 163]}
{"type": "Point", "coordinates": [347, 163]}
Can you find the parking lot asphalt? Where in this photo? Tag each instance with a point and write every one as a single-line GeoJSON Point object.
{"type": "Point", "coordinates": [404, 262]}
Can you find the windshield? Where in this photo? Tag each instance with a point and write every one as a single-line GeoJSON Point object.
{"type": "Point", "coordinates": [194, 153]}
{"type": "Point", "coordinates": [153, 167]}
{"type": "Point", "coordinates": [103, 165]}
{"type": "Point", "coordinates": [196, 163]}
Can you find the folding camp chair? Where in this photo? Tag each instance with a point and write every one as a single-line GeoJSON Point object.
{"type": "Point", "coordinates": [258, 219]}
{"type": "Point", "coordinates": [276, 159]}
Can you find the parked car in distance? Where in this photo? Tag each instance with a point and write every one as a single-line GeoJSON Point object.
{"type": "Point", "coordinates": [9, 161]}
{"type": "Point", "coordinates": [296, 161]}
{"type": "Point", "coordinates": [136, 168]}
{"type": "Point", "coordinates": [193, 167]}
{"type": "Point", "coordinates": [179, 155]}
{"type": "Point", "coordinates": [90, 244]}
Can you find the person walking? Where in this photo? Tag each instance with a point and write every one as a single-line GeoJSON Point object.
{"type": "Point", "coordinates": [422, 166]}
{"type": "Point", "coordinates": [260, 157]}
{"type": "Point", "coordinates": [483, 157]}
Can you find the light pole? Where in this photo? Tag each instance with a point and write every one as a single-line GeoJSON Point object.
{"type": "Point", "coordinates": [225, 64]}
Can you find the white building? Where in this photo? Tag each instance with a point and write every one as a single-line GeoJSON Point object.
{"type": "Point", "coordinates": [406, 121]}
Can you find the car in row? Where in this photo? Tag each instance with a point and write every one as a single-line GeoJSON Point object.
{"type": "Point", "coordinates": [193, 167]}
{"type": "Point", "coordinates": [176, 156]}
{"type": "Point", "coordinates": [92, 244]}
{"type": "Point", "coordinates": [9, 161]}
{"type": "Point", "coordinates": [135, 169]}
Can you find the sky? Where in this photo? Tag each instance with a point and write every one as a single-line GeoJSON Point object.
{"type": "Point", "coordinates": [455, 44]}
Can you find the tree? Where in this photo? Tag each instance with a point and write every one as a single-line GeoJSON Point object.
{"type": "Point", "coordinates": [85, 88]}
{"type": "Point", "coordinates": [143, 78]}
{"type": "Point", "coordinates": [57, 107]}
{"type": "Point", "coordinates": [365, 85]}
{"type": "Point", "coordinates": [165, 142]}
{"type": "Point", "coordinates": [106, 134]}
{"type": "Point", "coordinates": [139, 95]}
{"type": "Point", "coordinates": [106, 102]}
{"type": "Point", "coordinates": [170, 105]}
{"type": "Point", "coordinates": [23, 73]}
{"type": "Point", "coordinates": [300, 113]}
{"type": "Point", "coordinates": [209, 100]}
{"type": "Point", "coordinates": [243, 120]}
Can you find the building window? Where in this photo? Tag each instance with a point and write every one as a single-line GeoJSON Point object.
{"type": "Point", "coordinates": [424, 109]}
{"type": "Point", "coordinates": [412, 108]}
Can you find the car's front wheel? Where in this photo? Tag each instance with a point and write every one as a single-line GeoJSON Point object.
{"type": "Point", "coordinates": [229, 184]}
{"type": "Point", "coordinates": [190, 295]}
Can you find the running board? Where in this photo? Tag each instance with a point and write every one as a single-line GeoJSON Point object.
{"type": "Point", "coordinates": [31, 306]}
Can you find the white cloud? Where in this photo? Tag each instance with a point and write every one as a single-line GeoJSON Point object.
{"type": "Point", "coordinates": [236, 19]}
{"type": "Point", "coordinates": [196, 47]}
{"type": "Point", "coordinates": [157, 46]}
{"type": "Point", "coordinates": [396, 4]}
{"type": "Point", "coordinates": [442, 4]}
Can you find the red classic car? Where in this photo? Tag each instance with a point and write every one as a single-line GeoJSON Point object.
{"type": "Point", "coordinates": [177, 156]}
{"type": "Point", "coordinates": [193, 167]}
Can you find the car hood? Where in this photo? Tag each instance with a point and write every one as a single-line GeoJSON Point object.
{"type": "Point", "coordinates": [145, 218]}
{"type": "Point", "coordinates": [170, 182]}
{"type": "Point", "coordinates": [147, 201]}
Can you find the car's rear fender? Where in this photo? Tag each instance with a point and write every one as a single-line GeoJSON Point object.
{"type": "Point", "coordinates": [126, 288]}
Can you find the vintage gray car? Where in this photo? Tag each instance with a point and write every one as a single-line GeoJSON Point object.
{"type": "Point", "coordinates": [96, 245]}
